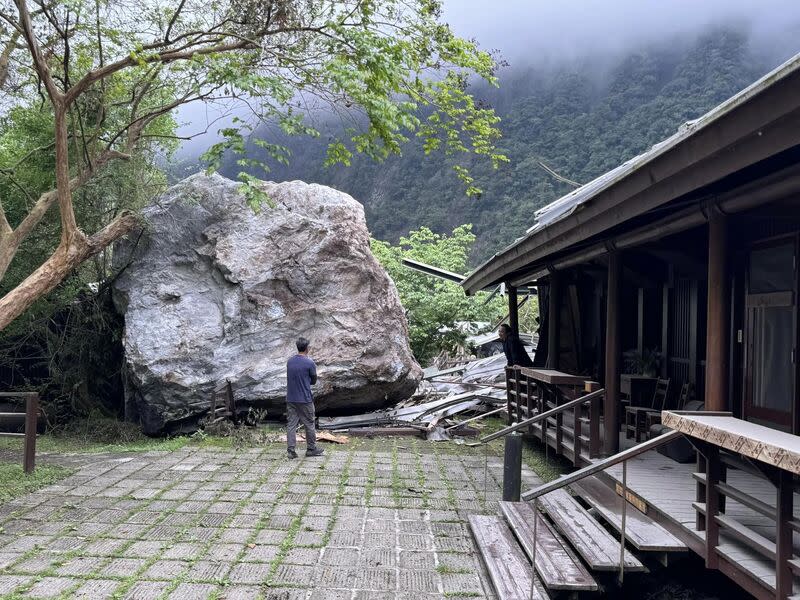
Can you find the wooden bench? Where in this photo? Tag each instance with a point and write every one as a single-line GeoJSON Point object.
{"type": "Point", "coordinates": [508, 568]}
{"type": "Point", "coordinates": [556, 564]}
{"type": "Point", "coordinates": [596, 546]}
{"type": "Point", "coordinates": [640, 530]}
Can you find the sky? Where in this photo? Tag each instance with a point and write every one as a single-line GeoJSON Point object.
{"type": "Point", "coordinates": [547, 32]}
{"type": "Point", "coordinates": [535, 30]}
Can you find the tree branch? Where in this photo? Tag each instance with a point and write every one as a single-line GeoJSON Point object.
{"type": "Point", "coordinates": [173, 20]}
{"type": "Point", "coordinates": [39, 61]}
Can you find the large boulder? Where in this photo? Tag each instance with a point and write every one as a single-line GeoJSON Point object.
{"type": "Point", "coordinates": [214, 291]}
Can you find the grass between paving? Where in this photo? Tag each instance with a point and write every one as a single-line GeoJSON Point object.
{"type": "Point", "coordinates": [14, 482]}
{"type": "Point", "coordinates": [533, 454]}
{"type": "Point", "coordinates": [99, 435]}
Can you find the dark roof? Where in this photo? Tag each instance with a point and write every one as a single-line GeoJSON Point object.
{"type": "Point", "coordinates": [570, 219]}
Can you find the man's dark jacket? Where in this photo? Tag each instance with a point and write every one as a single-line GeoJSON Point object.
{"type": "Point", "coordinates": [515, 352]}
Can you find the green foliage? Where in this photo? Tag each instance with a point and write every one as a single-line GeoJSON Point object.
{"type": "Point", "coordinates": [434, 305]}
{"type": "Point", "coordinates": [378, 65]}
{"type": "Point", "coordinates": [579, 119]}
{"type": "Point", "coordinates": [15, 483]}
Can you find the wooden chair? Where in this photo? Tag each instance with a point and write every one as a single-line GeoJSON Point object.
{"type": "Point", "coordinates": [636, 416]}
{"type": "Point", "coordinates": [687, 395]}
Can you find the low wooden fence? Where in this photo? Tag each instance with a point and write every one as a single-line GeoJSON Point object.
{"type": "Point", "coordinates": [572, 431]}
{"type": "Point", "coordinates": [31, 418]}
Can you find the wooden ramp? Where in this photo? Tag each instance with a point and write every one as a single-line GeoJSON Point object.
{"type": "Point", "coordinates": [596, 546]}
{"type": "Point", "coordinates": [556, 564]}
{"type": "Point", "coordinates": [640, 530]}
{"type": "Point", "coordinates": [508, 567]}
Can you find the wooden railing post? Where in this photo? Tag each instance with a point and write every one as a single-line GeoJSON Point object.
{"type": "Point", "coordinates": [529, 402]}
{"type": "Point", "coordinates": [712, 506]}
{"type": "Point", "coordinates": [783, 535]}
{"type": "Point", "coordinates": [517, 394]}
{"type": "Point", "coordinates": [31, 422]}
{"type": "Point", "coordinates": [594, 428]}
{"type": "Point", "coordinates": [509, 384]}
{"type": "Point", "coordinates": [559, 428]}
{"type": "Point", "coordinates": [700, 494]}
{"type": "Point", "coordinates": [577, 447]}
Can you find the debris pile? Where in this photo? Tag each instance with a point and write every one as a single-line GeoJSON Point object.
{"type": "Point", "coordinates": [448, 404]}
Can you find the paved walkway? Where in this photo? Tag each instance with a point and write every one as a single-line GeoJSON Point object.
{"type": "Point", "coordinates": [378, 520]}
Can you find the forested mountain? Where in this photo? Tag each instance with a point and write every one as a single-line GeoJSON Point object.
{"type": "Point", "coordinates": [580, 119]}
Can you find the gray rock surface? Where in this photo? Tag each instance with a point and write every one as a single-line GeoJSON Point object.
{"type": "Point", "coordinates": [215, 291]}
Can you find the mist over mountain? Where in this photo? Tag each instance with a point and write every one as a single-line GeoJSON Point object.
{"type": "Point", "coordinates": [580, 115]}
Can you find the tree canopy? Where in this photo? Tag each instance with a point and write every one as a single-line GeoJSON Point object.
{"type": "Point", "coordinates": [578, 118]}
{"type": "Point", "coordinates": [97, 83]}
{"type": "Point", "coordinates": [433, 305]}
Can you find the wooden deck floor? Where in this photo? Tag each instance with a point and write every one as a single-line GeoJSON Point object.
{"type": "Point", "coordinates": [668, 487]}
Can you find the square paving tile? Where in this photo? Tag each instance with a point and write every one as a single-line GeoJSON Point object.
{"type": "Point", "coordinates": [193, 591]}
{"type": "Point", "coordinates": [51, 587]}
{"type": "Point", "coordinates": [9, 583]}
{"type": "Point", "coordinates": [96, 589]}
{"type": "Point", "coordinates": [147, 590]}
{"type": "Point", "coordinates": [166, 570]}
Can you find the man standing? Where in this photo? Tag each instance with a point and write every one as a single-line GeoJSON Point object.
{"type": "Point", "coordinates": [301, 374]}
{"type": "Point", "coordinates": [513, 348]}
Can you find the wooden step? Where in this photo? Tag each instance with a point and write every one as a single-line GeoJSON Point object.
{"type": "Point", "coordinates": [595, 545]}
{"type": "Point", "coordinates": [640, 530]}
{"type": "Point", "coordinates": [508, 567]}
{"type": "Point", "coordinates": [556, 564]}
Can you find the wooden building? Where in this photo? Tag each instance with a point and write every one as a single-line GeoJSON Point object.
{"type": "Point", "coordinates": [688, 251]}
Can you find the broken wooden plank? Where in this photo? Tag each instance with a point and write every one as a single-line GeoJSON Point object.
{"type": "Point", "coordinates": [640, 530]}
{"type": "Point", "coordinates": [322, 436]}
{"type": "Point", "coordinates": [496, 411]}
{"type": "Point", "coordinates": [508, 568]}
{"type": "Point", "coordinates": [556, 564]}
{"type": "Point", "coordinates": [384, 431]}
{"type": "Point", "coordinates": [596, 546]}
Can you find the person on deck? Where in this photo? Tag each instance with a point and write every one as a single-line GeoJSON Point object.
{"type": "Point", "coordinates": [513, 348]}
{"type": "Point", "coordinates": [301, 374]}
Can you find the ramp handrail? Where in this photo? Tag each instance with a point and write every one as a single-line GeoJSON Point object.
{"type": "Point", "coordinates": [601, 465]}
{"type": "Point", "coordinates": [620, 457]}
{"type": "Point", "coordinates": [545, 415]}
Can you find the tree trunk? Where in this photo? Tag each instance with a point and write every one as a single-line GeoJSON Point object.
{"type": "Point", "coordinates": [60, 264]}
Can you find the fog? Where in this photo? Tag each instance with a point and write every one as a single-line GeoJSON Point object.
{"type": "Point", "coordinates": [543, 33]}
{"type": "Point", "coordinates": [531, 31]}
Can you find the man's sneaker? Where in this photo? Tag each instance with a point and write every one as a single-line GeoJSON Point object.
{"type": "Point", "coordinates": [315, 452]}
{"type": "Point", "coordinates": [291, 454]}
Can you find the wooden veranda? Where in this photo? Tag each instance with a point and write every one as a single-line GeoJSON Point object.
{"type": "Point", "coordinates": [687, 253]}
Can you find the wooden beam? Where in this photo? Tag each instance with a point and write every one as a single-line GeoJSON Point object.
{"type": "Point", "coordinates": [717, 320]}
{"type": "Point", "coordinates": [613, 350]}
{"type": "Point", "coordinates": [513, 309]}
{"type": "Point", "coordinates": [665, 349]}
{"type": "Point", "coordinates": [553, 321]}
{"type": "Point", "coordinates": [640, 320]}
{"type": "Point", "coordinates": [783, 541]}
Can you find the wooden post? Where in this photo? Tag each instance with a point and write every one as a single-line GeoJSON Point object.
{"type": "Point", "coordinates": [577, 446]}
{"type": "Point", "coordinates": [513, 309]}
{"type": "Point", "coordinates": [783, 541]}
{"type": "Point", "coordinates": [713, 464]}
{"type": "Point", "coordinates": [611, 401]}
{"type": "Point", "coordinates": [31, 421]}
{"type": "Point", "coordinates": [665, 349]}
{"type": "Point", "coordinates": [553, 320]}
{"type": "Point", "coordinates": [640, 310]}
{"type": "Point", "coordinates": [509, 411]}
{"type": "Point", "coordinates": [718, 319]}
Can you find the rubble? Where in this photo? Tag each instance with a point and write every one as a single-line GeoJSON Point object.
{"type": "Point", "coordinates": [471, 391]}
